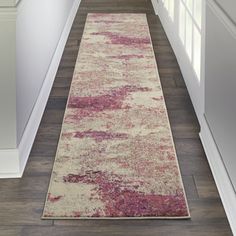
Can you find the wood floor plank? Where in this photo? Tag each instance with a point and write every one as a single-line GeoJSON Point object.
{"type": "Point", "coordinates": [174, 92]}
{"type": "Point", "coordinates": [184, 131]}
{"type": "Point", "coordinates": [193, 165]}
{"type": "Point", "coordinates": [189, 147]}
{"type": "Point", "coordinates": [53, 116]}
{"type": "Point", "coordinates": [44, 148]}
{"type": "Point", "coordinates": [56, 103]}
{"type": "Point", "coordinates": [168, 83]}
{"type": "Point", "coordinates": [207, 210]}
{"type": "Point", "coordinates": [193, 230]}
{"type": "Point", "coordinates": [205, 186]}
{"type": "Point", "coordinates": [29, 187]}
{"type": "Point", "coordinates": [190, 187]}
{"type": "Point", "coordinates": [177, 103]}
{"type": "Point", "coordinates": [22, 212]}
{"type": "Point", "coordinates": [39, 166]}
{"type": "Point", "coordinates": [10, 230]}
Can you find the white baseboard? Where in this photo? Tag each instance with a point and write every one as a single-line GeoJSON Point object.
{"type": "Point", "coordinates": [155, 6]}
{"type": "Point", "coordinates": [13, 161]}
{"type": "Point", "coordinates": [10, 166]}
{"type": "Point", "coordinates": [225, 188]}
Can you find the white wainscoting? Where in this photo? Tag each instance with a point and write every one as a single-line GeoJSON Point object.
{"type": "Point", "coordinates": [220, 174]}
{"type": "Point", "coordinates": [169, 14]}
{"type": "Point", "coordinates": [191, 63]}
{"type": "Point", "coordinates": [13, 161]}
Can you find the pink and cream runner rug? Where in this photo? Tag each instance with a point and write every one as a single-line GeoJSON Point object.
{"type": "Point", "coordinates": [116, 156]}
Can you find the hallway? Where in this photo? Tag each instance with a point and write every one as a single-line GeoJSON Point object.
{"type": "Point", "coordinates": [22, 200]}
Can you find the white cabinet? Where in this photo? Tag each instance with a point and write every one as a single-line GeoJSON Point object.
{"type": "Point", "coordinates": [229, 6]}
{"type": "Point", "coordinates": [220, 87]}
{"type": "Point", "coordinates": [32, 39]}
{"type": "Point", "coordinates": [203, 36]}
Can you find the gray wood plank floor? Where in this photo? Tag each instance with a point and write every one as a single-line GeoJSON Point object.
{"type": "Point", "coordinates": [22, 200]}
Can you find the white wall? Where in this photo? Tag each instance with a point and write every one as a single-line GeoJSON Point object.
{"type": "Point", "coordinates": [229, 6]}
{"type": "Point", "coordinates": [203, 36]}
{"type": "Point", "coordinates": [38, 29]}
{"type": "Point", "coordinates": [33, 35]}
{"type": "Point", "coordinates": [183, 23]}
{"type": "Point", "coordinates": [220, 86]}
{"type": "Point", "coordinates": [7, 79]}
{"type": "Point", "coordinates": [218, 129]}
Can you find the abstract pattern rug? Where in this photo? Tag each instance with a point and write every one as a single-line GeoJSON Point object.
{"type": "Point", "coordinates": [116, 156]}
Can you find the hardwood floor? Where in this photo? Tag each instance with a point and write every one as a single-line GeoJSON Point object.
{"type": "Point", "coordinates": [22, 200]}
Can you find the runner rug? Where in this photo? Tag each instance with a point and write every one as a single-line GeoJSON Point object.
{"type": "Point", "coordinates": [116, 157]}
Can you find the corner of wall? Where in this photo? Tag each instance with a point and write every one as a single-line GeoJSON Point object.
{"type": "Point", "coordinates": [225, 188]}
{"type": "Point", "coordinates": [10, 167]}
{"type": "Point", "coordinates": [13, 161]}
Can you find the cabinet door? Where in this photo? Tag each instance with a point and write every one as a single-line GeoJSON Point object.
{"type": "Point", "coordinates": [229, 6]}
{"type": "Point", "coordinates": [220, 89]}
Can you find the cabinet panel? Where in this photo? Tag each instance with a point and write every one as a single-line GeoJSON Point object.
{"type": "Point", "coordinates": [229, 6]}
{"type": "Point", "coordinates": [220, 89]}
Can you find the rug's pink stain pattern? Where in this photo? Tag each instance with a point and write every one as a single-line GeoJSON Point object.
{"type": "Point", "coordinates": [99, 136]}
{"type": "Point", "coordinates": [115, 156]}
{"type": "Point", "coordinates": [127, 57]}
{"type": "Point", "coordinates": [124, 40]}
{"type": "Point", "coordinates": [123, 201]}
{"type": "Point", "coordinates": [53, 198]}
{"type": "Point", "coordinates": [87, 106]}
{"type": "Point", "coordinates": [112, 100]}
